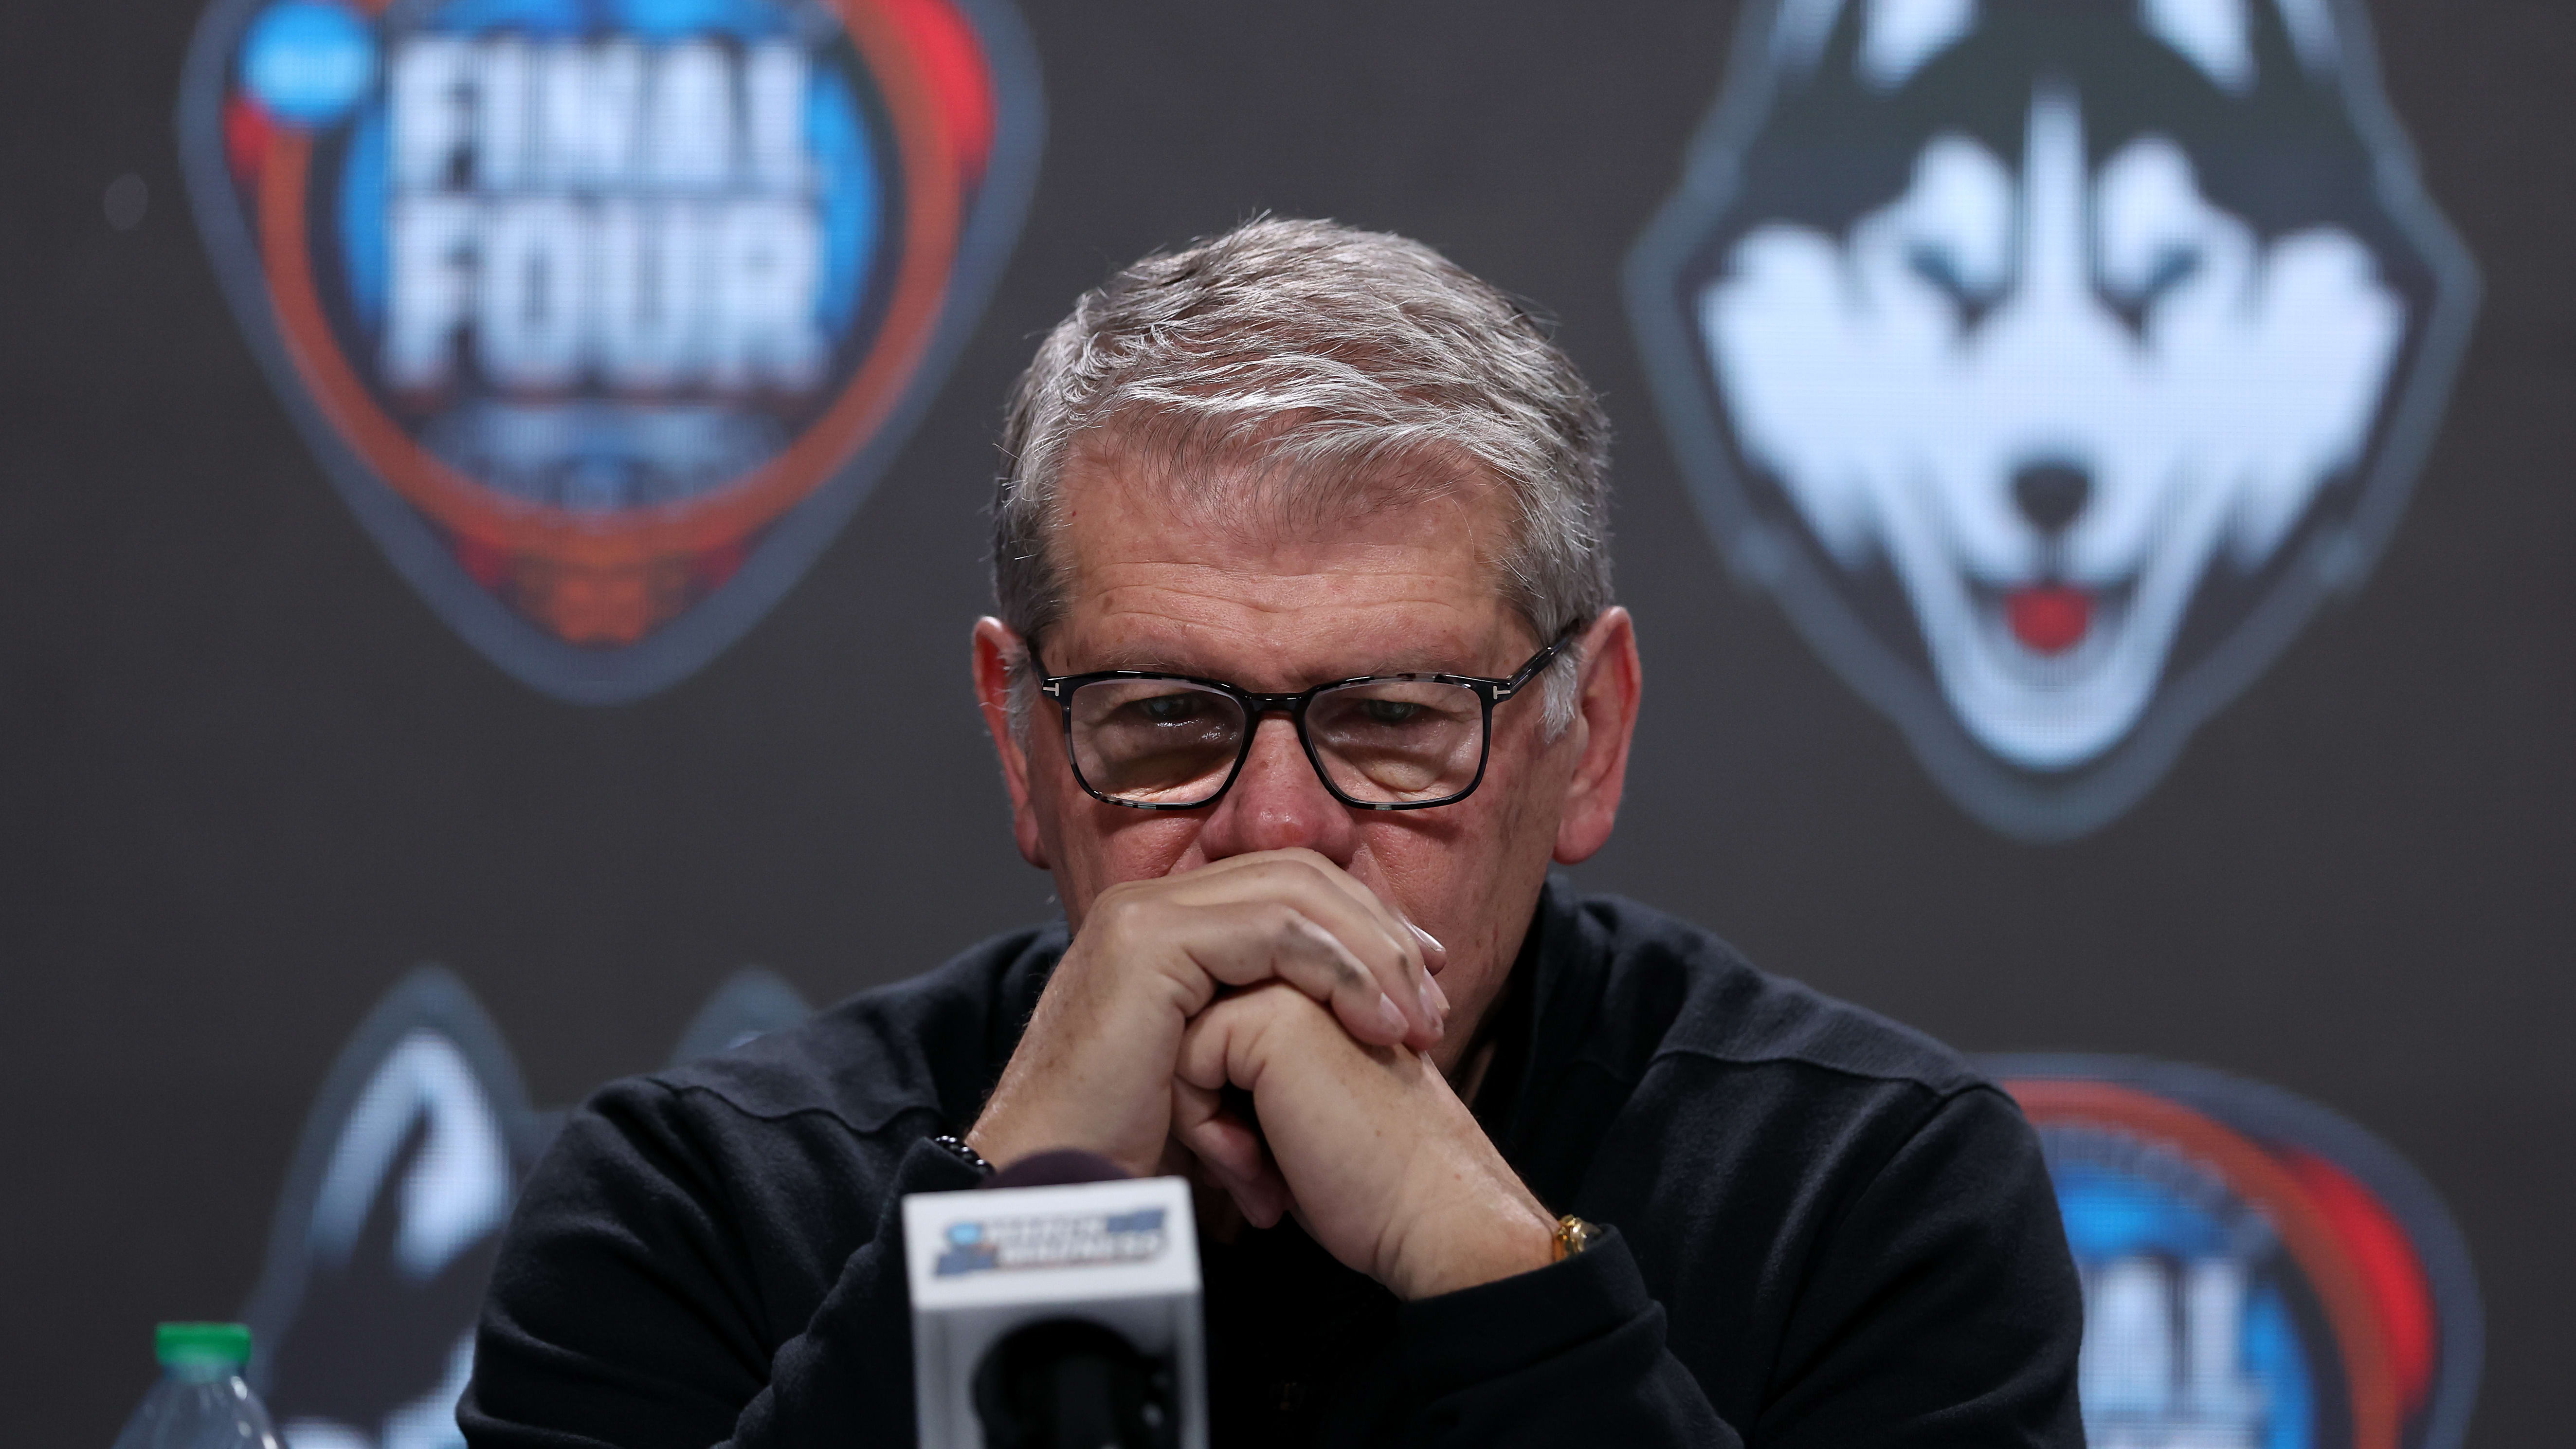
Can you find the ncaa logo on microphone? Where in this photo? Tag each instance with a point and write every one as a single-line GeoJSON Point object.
{"type": "Point", "coordinates": [605, 314]}
{"type": "Point", "coordinates": [2051, 360]}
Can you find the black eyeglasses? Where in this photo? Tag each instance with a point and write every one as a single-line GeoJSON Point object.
{"type": "Point", "coordinates": [1153, 741]}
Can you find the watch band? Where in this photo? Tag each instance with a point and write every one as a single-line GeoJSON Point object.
{"type": "Point", "coordinates": [1573, 1235]}
{"type": "Point", "coordinates": [955, 1146]}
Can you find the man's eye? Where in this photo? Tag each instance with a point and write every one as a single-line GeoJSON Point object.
{"type": "Point", "coordinates": [1169, 709]}
{"type": "Point", "coordinates": [1390, 711]}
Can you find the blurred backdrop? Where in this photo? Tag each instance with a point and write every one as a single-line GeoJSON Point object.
{"type": "Point", "coordinates": [493, 506]}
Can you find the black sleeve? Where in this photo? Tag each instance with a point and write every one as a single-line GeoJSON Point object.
{"type": "Point", "coordinates": [1568, 1354]}
{"type": "Point", "coordinates": [625, 1312]}
{"type": "Point", "coordinates": [1942, 1310]}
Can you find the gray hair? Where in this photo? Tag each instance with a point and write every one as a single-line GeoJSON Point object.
{"type": "Point", "coordinates": [1334, 366]}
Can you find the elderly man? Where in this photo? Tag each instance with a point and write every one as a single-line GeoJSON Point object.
{"type": "Point", "coordinates": [1306, 670]}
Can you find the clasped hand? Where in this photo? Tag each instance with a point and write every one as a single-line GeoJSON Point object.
{"type": "Point", "coordinates": [1281, 975]}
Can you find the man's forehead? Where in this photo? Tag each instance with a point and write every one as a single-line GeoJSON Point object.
{"type": "Point", "coordinates": [1364, 610]}
{"type": "Point", "coordinates": [1395, 585]}
{"type": "Point", "coordinates": [1257, 485]}
{"type": "Point", "coordinates": [1114, 511]}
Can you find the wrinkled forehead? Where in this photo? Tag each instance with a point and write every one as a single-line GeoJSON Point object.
{"type": "Point", "coordinates": [1248, 525]}
{"type": "Point", "coordinates": [1258, 492]}
{"type": "Point", "coordinates": [1296, 469]}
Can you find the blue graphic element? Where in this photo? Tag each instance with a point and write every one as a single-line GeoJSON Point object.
{"type": "Point", "coordinates": [602, 419]}
{"type": "Point", "coordinates": [308, 62]}
{"type": "Point", "coordinates": [837, 134]}
{"type": "Point", "coordinates": [2274, 1359]}
{"type": "Point", "coordinates": [530, 17]}
{"type": "Point", "coordinates": [2112, 1215]}
{"type": "Point", "coordinates": [849, 191]}
{"type": "Point", "coordinates": [1143, 1220]}
{"type": "Point", "coordinates": [677, 19]}
{"type": "Point", "coordinates": [361, 213]}
{"type": "Point", "coordinates": [652, 20]}
{"type": "Point", "coordinates": [963, 1233]}
{"type": "Point", "coordinates": [2148, 1216]}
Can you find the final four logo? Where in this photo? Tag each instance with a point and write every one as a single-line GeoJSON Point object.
{"type": "Point", "coordinates": [604, 314]}
{"type": "Point", "coordinates": [2051, 360]}
{"type": "Point", "coordinates": [2258, 1272]}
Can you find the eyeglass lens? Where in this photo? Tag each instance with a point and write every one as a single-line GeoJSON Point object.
{"type": "Point", "coordinates": [1383, 742]}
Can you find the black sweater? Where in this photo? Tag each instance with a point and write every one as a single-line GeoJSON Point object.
{"type": "Point", "coordinates": [1824, 1231]}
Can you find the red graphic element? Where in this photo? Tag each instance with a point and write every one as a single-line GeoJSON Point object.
{"type": "Point", "coordinates": [2389, 1268]}
{"type": "Point", "coordinates": [2335, 1267]}
{"type": "Point", "coordinates": [247, 131]}
{"type": "Point", "coordinates": [611, 580]}
{"type": "Point", "coordinates": [713, 567]}
{"type": "Point", "coordinates": [958, 74]}
{"type": "Point", "coordinates": [488, 565]}
{"type": "Point", "coordinates": [2050, 618]}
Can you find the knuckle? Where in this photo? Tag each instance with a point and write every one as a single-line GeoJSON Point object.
{"type": "Point", "coordinates": [1305, 866]}
{"type": "Point", "coordinates": [1302, 1015]}
{"type": "Point", "coordinates": [1283, 922]}
{"type": "Point", "coordinates": [1374, 950]}
{"type": "Point", "coordinates": [1219, 1024]}
{"type": "Point", "coordinates": [1117, 906]}
{"type": "Point", "coordinates": [1345, 965]}
{"type": "Point", "coordinates": [1263, 1003]}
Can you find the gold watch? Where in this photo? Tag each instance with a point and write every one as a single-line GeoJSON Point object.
{"type": "Point", "coordinates": [1573, 1235]}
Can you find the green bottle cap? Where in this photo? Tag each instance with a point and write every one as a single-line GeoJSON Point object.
{"type": "Point", "coordinates": [201, 1344]}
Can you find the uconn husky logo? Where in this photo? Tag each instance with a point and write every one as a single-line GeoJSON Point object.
{"type": "Point", "coordinates": [385, 1236]}
{"type": "Point", "coordinates": [604, 313]}
{"type": "Point", "coordinates": [2051, 359]}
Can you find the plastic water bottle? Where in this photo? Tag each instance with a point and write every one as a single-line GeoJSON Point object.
{"type": "Point", "coordinates": [201, 1401]}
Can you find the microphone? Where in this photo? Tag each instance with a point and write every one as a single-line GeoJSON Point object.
{"type": "Point", "coordinates": [1057, 1307]}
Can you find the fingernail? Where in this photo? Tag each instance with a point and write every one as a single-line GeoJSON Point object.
{"type": "Point", "coordinates": [1428, 939]}
{"type": "Point", "coordinates": [1392, 1015]}
{"type": "Point", "coordinates": [1431, 988]}
{"type": "Point", "coordinates": [1434, 1013]}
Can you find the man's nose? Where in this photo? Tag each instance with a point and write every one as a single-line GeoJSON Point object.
{"type": "Point", "coordinates": [1278, 803]}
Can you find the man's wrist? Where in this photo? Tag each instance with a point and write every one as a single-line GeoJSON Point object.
{"type": "Point", "coordinates": [959, 1148]}
{"type": "Point", "coordinates": [1508, 1240]}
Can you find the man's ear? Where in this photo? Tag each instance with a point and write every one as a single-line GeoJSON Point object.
{"type": "Point", "coordinates": [1604, 723]}
{"type": "Point", "coordinates": [995, 647]}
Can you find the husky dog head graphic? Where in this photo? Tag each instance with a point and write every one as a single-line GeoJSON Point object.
{"type": "Point", "coordinates": [385, 1236]}
{"type": "Point", "coordinates": [2050, 358]}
